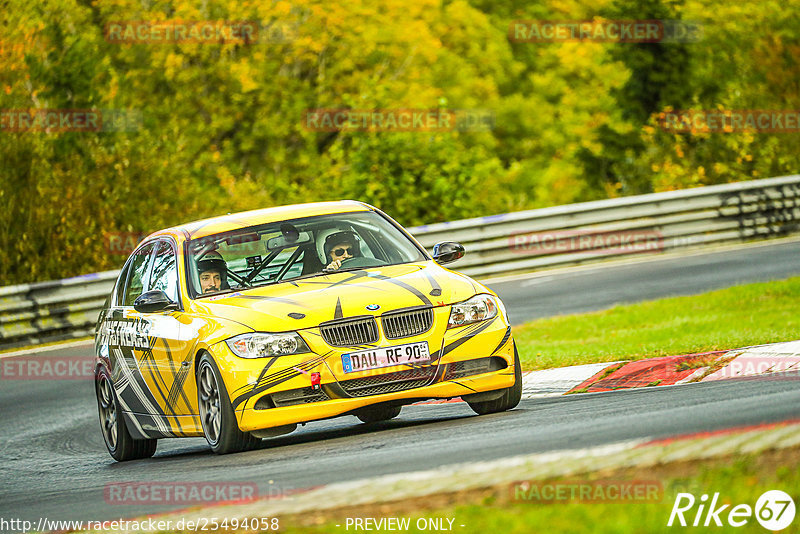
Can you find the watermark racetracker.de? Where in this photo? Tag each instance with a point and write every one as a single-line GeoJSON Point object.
{"type": "Point", "coordinates": [730, 121]}
{"type": "Point", "coordinates": [122, 243]}
{"type": "Point", "coordinates": [586, 241]}
{"type": "Point", "coordinates": [213, 32]}
{"type": "Point", "coordinates": [773, 367]}
{"type": "Point", "coordinates": [183, 493]}
{"type": "Point", "coordinates": [38, 367]}
{"type": "Point", "coordinates": [398, 120]}
{"type": "Point", "coordinates": [605, 31]}
{"type": "Point", "coordinates": [69, 120]}
{"type": "Point", "coordinates": [148, 524]}
{"type": "Point", "coordinates": [588, 491]}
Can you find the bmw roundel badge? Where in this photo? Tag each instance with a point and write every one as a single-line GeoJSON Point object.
{"type": "Point", "coordinates": [373, 307]}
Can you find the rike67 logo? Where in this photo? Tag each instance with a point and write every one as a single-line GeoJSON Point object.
{"type": "Point", "coordinates": [774, 510]}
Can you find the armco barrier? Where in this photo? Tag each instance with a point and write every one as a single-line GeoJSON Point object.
{"type": "Point", "coordinates": [51, 311]}
{"type": "Point", "coordinates": [502, 244]}
{"type": "Point", "coordinates": [529, 240]}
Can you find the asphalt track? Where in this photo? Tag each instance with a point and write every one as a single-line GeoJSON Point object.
{"type": "Point", "coordinates": [600, 287]}
{"type": "Point", "coordinates": [54, 463]}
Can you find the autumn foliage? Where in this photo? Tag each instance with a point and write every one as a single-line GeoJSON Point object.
{"type": "Point", "coordinates": [213, 123]}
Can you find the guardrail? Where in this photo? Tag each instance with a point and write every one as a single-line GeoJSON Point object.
{"type": "Point", "coordinates": [31, 314]}
{"type": "Point", "coordinates": [498, 245]}
{"type": "Point", "coordinates": [525, 241]}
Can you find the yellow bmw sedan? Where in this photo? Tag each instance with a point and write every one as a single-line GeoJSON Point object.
{"type": "Point", "coordinates": [238, 328]}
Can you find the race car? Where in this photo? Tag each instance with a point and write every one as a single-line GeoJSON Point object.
{"type": "Point", "coordinates": [241, 327]}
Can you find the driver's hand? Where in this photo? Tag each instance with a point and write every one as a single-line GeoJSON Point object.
{"type": "Point", "coordinates": [335, 264]}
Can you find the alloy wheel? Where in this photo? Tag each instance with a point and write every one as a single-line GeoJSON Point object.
{"type": "Point", "coordinates": [209, 404]}
{"type": "Point", "coordinates": [108, 413]}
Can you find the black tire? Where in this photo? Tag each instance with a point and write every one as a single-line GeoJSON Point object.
{"type": "Point", "coordinates": [378, 414]}
{"type": "Point", "coordinates": [510, 398]}
{"type": "Point", "coordinates": [216, 414]}
{"type": "Point", "coordinates": [118, 439]}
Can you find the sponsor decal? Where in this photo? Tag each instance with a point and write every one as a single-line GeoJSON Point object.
{"type": "Point", "coordinates": [126, 333]}
{"type": "Point", "coordinates": [226, 295]}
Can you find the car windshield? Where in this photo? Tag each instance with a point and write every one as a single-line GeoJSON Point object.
{"type": "Point", "coordinates": [299, 248]}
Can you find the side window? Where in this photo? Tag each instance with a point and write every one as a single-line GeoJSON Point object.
{"type": "Point", "coordinates": [164, 275]}
{"type": "Point", "coordinates": [122, 284]}
{"type": "Point", "coordinates": [138, 271]}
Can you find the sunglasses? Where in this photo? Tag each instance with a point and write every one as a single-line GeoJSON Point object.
{"type": "Point", "coordinates": [340, 251]}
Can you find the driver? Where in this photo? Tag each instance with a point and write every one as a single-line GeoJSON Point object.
{"type": "Point", "coordinates": [339, 247]}
{"type": "Point", "coordinates": [213, 272]}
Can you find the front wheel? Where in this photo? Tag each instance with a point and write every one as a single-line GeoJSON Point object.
{"type": "Point", "coordinates": [509, 399]}
{"type": "Point", "coordinates": [216, 414]}
{"type": "Point", "coordinates": [376, 415]}
{"type": "Point", "coordinates": [119, 442]}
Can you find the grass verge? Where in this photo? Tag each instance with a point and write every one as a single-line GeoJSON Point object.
{"type": "Point", "coordinates": [739, 480]}
{"type": "Point", "coordinates": [729, 318]}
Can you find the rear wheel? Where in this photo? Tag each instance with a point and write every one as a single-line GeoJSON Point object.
{"type": "Point", "coordinates": [119, 442]}
{"type": "Point", "coordinates": [381, 413]}
{"type": "Point", "coordinates": [509, 399]}
{"type": "Point", "coordinates": [216, 414]}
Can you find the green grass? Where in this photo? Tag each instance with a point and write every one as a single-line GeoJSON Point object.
{"type": "Point", "coordinates": [739, 481]}
{"type": "Point", "coordinates": [725, 319]}
{"type": "Point", "coordinates": [738, 484]}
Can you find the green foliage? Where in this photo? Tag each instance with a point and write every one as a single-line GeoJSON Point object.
{"type": "Point", "coordinates": [219, 126]}
{"type": "Point", "coordinates": [418, 178]}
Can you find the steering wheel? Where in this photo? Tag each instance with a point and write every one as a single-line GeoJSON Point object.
{"type": "Point", "coordinates": [361, 261]}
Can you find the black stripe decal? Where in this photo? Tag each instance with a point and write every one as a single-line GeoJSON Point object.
{"type": "Point", "coordinates": [436, 289]}
{"type": "Point", "coordinates": [463, 385]}
{"type": "Point", "coordinates": [178, 379]}
{"type": "Point", "coordinates": [260, 375]}
{"type": "Point", "coordinates": [410, 289]}
{"type": "Point", "coordinates": [458, 342]}
{"type": "Point", "coordinates": [155, 373]}
{"type": "Point", "coordinates": [503, 341]}
{"type": "Point", "coordinates": [278, 378]}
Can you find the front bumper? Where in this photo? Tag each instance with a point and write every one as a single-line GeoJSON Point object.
{"type": "Point", "coordinates": [253, 384]}
{"type": "Point", "coordinates": [251, 419]}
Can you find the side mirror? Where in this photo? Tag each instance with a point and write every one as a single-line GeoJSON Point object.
{"type": "Point", "coordinates": [153, 301]}
{"type": "Point", "coordinates": [447, 252]}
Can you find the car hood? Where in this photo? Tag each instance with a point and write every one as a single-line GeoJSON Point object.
{"type": "Point", "coordinates": [307, 303]}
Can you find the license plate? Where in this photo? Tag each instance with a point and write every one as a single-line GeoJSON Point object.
{"type": "Point", "coordinates": [386, 357]}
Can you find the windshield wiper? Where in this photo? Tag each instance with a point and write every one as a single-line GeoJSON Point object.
{"type": "Point", "coordinates": [340, 270]}
{"type": "Point", "coordinates": [312, 275]}
{"type": "Point", "coordinates": [302, 277]}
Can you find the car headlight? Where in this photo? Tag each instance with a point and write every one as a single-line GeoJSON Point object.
{"type": "Point", "coordinates": [261, 345]}
{"type": "Point", "coordinates": [478, 308]}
